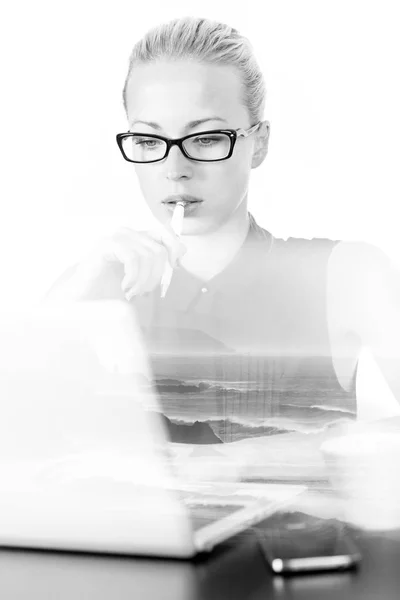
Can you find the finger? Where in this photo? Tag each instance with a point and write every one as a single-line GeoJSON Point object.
{"type": "Point", "coordinates": [129, 258]}
{"type": "Point", "coordinates": [134, 250]}
{"type": "Point", "coordinates": [153, 239]}
{"type": "Point", "coordinates": [159, 265]}
{"type": "Point", "coordinates": [132, 268]}
{"type": "Point", "coordinates": [154, 262]}
{"type": "Point", "coordinates": [145, 260]}
{"type": "Point", "coordinates": [175, 247]}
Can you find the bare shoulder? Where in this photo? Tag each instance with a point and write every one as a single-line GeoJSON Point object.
{"type": "Point", "coordinates": [355, 260]}
{"type": "Point", "coordinates": [360, 285]}
{"type": "Point", "coordinates": [359, 276]}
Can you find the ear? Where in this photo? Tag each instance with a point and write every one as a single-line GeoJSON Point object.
{"type": "Point", "coordinates": [261, 144]}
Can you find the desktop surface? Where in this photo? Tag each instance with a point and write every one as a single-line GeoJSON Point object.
{"type": "Point", "coordinates": [235, 570]}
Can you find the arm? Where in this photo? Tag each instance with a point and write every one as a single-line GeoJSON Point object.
{"type": "Point", "coordinates": [78, 283]}
{"type": "Point", "coordinates": [364, 309]}
{"type": "Point", "coordinates": [125, 264]}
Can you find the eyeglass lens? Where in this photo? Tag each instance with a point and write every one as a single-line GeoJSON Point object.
{"type": "Point", "coordinates": [202, 147]}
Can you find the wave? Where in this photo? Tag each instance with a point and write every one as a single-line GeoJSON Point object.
{"type": "Point", "coordinates": [190, 387]}
{"type": "Point", "coordinates": [328, 408]}
{"type": "Point", "coordinates": [233, 428]}
{"type": "Point", "coordinates": [316, 407]}
{"type": "Point", "coordinates": [240, 386]}
{"type": "Point", "coordinates": [264, 426]}
{"type": "Point", "coordinates": [207, 388]}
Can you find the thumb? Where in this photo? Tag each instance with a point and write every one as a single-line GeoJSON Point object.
{"type": "Point", "coordinates": [176, 252]}
{"type": "Point", "coordinates": [175, 247]}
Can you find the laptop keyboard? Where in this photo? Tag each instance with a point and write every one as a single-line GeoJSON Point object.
{"type": "Point", "coordinates": [211, 502]}
{"type": "Point", "coordinates": [206, 506]}
{"type": "Point", "coordinates": [205, 514]}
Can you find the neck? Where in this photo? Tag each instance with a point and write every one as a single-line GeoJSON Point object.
{"type": "Point", "coordinates": [208, 254]}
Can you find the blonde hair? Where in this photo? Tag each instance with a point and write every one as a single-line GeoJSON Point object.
{"type": "Point", "coordinates": [206, 41]}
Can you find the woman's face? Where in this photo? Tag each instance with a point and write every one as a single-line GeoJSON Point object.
{"type": "Point", "coordinates": [178, 98]}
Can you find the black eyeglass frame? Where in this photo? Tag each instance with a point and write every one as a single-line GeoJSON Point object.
{"type": "Point", "coordinates": [232, 133]}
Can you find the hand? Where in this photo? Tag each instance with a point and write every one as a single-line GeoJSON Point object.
{"type": "Point", "coordinates": [143, 254]}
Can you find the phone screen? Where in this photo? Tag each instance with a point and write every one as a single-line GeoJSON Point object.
{"type": "Point", "coordinates": [294, 542]}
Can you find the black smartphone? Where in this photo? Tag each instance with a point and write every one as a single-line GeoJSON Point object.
{"type": "Point", "coordinates": [294, 542]}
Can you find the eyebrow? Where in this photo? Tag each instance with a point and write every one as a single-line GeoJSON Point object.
{"type": "Point", "coordinates": [189, 125]}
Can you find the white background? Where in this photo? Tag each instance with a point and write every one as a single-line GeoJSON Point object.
{"type": "Point", "coordinates": [332, 73]}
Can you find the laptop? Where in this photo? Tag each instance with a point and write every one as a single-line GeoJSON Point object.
{"type": "Point", "coordinates": [85, 463]}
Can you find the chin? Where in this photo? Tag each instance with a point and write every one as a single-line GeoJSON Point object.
{"type": "Point", "coordinates": [199, 226]}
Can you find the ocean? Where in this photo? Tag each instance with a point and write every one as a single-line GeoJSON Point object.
{"type": "Point", "coordinates": [247, 395]}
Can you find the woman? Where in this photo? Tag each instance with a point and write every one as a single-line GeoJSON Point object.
{"type": "Point", "coordinates": [255, 335]}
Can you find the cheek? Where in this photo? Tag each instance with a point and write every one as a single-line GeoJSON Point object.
{"type": "Point", "coordinates": [148, 182]}
{"type": "Point", "coordinates": [226, 182]}
{"type": "Point", "coordinates": [237, 175]}
{"type": "Point", "coordinates": [229, 190]}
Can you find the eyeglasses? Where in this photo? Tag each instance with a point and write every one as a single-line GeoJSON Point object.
{"type": "Point", "coordinates": [205, 146]}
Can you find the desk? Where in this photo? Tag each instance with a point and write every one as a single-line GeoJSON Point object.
{"type": "Point", "coordinates": [236, 570]}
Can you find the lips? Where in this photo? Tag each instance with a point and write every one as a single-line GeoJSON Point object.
{"type": "Point", "coordinates": [192, 204]}
{"type": "Point", "coordinates": [186, 198]}
{"type": "Point", "coordinates": [186, 204]}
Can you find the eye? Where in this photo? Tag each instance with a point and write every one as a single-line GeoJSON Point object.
{"type": "Point", "coordinates": [147, 142]}
{"type": "Point", "coordinates": [206, 140]}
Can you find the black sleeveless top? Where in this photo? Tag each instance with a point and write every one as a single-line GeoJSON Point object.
{"type": "Point", "coordinates": [247, 353]}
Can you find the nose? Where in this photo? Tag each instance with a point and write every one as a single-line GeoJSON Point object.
{"type": "Point", "coordinates": [177, 165]}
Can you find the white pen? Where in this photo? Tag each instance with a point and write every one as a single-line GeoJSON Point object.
{"type": "Point", "coordinates": [176, 226]}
